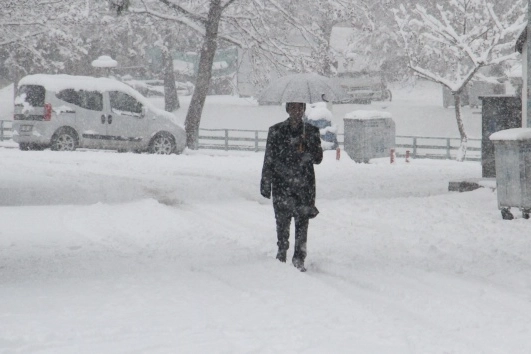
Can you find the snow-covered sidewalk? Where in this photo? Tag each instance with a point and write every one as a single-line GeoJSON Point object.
{"type": "Point", "coordinates": [113, 253]}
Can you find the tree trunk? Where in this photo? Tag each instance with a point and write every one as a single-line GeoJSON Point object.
{"type": "Point", "coordinates": [171, 100]}
{"type": "Point", "coordinates": [206, 59]}
{"type": "Point", "coordinates": [326, 63]}
{"type": "Point", "coordinates": [16, 75]}
{"type": "Point", "coordinates": [16, 79]}
{"type": "Point", "coordinates": [461, 152]}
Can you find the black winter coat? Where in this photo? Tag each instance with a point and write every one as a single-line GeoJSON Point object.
{"type": "Point", "coordinates": [288, 171]}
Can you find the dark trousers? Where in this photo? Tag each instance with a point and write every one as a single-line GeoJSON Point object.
{"type": "Point", "coordinates": [301, 232]}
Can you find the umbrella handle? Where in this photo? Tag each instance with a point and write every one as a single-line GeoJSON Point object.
{"type": "Point", "coordinates": [303, 137]}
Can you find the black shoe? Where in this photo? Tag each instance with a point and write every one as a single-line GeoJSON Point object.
{"type": "Point", "coordinates": [299, 264]}
{"type": "Point", "coordinates": [281, 255]}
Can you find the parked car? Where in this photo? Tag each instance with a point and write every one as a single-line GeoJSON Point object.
{"type": "Point", "coordinates": [318, 115]}
{"type": "Point", "coordinates": [364, 88]}
{"type": "Point", "coordinates": [66, 112]}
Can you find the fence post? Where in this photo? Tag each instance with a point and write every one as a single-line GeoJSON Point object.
{"type": "Point", "coordinates": [414, 148]}
{"type": "Point", "coordinates": [448, 157]}
{"type": "Point", "coordinates": [1, 130]}
{"type": "Point", "coordinates": [256, 141]}
{"type": "Point", "coordinates": [226, 140]}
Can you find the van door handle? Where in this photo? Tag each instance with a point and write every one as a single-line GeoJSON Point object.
{"type": "Point", "coordinates": [109, 119]}
{"type": "Point", "coordinates": [103, 119]}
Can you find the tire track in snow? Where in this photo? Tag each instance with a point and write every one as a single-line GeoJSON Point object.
{"type": "Point", "coordinates": [418, 307]}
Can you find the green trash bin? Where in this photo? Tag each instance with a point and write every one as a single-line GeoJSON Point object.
{"type": "Point", "coordinates": [513, 170]}
{"type": "Point", "coordinates": [368, 134]}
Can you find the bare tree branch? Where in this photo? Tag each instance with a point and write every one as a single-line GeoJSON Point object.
{"type": "Point", "coordinates": [181, 19]}
{"type": "Point", "coordinates": [19, 38]}
{"type": "Point", "coordinates": [227, 4]}
{"type": "Point", "coordinates": [184, 11]}
{"type": "Point", "coordinates": [39, 23]}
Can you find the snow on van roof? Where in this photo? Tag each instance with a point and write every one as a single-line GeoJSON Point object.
{"type": "Point", "coordinates": [61, 82]}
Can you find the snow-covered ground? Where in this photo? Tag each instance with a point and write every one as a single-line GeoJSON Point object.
{"type": "Point", "coordinates": [104, 252]}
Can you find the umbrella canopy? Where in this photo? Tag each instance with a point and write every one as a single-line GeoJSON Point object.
{"type": "Point", "coordinates": [307, 88]}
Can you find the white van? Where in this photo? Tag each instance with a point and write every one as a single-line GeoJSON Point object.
{"type": "Point", "coordinates": [65, 112]}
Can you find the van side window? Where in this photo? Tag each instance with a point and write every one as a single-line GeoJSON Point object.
{"type": "Point", "coordinates": [123, 103]}
{"type": "Point", "coordinates": [91, 100]}
{"type": "Point", "coordinates": [69, 95]}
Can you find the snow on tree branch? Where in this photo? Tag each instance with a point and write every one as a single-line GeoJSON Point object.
{"type": "Point", "coordinates": [199, 28]}
{"type": "Point", "coordinates": [185, 12]}
{"type": "Point", "coordinates": [450, 46]}
{"type": "Point", "coordinates": [227, 4]}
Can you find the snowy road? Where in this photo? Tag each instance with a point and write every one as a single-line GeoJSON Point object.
{"type": "Point", "coordinates": [126, 253]}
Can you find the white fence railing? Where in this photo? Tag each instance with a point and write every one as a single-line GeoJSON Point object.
{"type": "Point", "coordinates": [437, 147]}
{"type": "Point", "coordinates": [418, 146]}
{"type": "Point", "coordinates": [232, 139]}
{"type": "Point", "coordinates": [255, 140]}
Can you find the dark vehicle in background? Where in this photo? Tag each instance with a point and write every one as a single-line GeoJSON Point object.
{"type": "Point", "coordinates": [364, 88]}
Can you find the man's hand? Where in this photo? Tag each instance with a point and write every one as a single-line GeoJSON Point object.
{"type": "Point", "coordinates": [265, 189]}
{"type": "Point", "coordinates": [298, 140]}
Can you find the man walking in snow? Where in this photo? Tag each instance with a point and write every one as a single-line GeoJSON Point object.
{"type": "Point", "coordinates": [293, 147]}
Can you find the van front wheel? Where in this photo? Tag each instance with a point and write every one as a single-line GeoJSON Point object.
{"type": "Point", "coordinates": [163, 144]}
{"type": "Point", "coordinates": [64, 140]}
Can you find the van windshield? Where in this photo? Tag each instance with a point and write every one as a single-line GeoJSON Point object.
{"type": "Point", "coordinates": [32, 94]}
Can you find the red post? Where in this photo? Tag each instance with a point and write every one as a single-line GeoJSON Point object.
{"type": "Point", "coordinates": [392, 155]}
{"type": "Point", "coordinates": [407, 155]}
{"type": "Point", "coordinates": [338, 154]}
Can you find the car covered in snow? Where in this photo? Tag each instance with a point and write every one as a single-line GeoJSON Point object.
{"type": "Point", "coordinates": [66, 112]}
{"type": "Point", "coordinates": [318, 115]}
{"type": "Point", "coordinates": [364, 88]}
